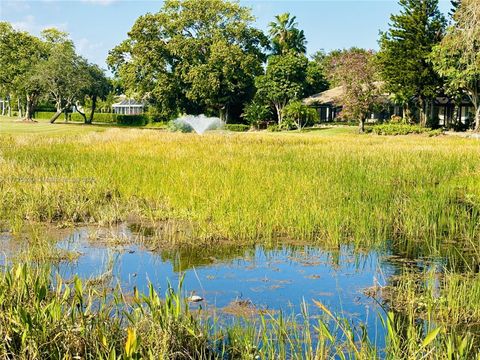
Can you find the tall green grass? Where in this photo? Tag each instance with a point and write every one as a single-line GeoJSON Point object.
{"type": "Point", "coordinates": [250, 187]}
{"type": "Point", "coordinates": [45, 318]}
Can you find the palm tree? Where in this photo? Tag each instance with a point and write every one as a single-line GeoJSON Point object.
{"type": "Point", "coordinates": [286, 36]}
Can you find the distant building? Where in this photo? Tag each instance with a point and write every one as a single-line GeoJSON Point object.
{"type": "Point", "coordinates": [128, 107]}
{"type": "Point", "coordinates": [443, 109]}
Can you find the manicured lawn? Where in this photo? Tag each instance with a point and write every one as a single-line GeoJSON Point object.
{"type": "Point", "coordinates": [12, 126]}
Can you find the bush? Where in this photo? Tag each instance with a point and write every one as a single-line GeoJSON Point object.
{"type": "Point", "coordinates": [395, 119]}
{"type": "Point", "coordinates": [132, 120]}
{"type": "Point", "coordinates": [237, 127]}
{"type": "Point", "coordinates": [298, 115]}
{"type": "Point", "coordinates": [274, 128]}
{"type": "Point", "coordinates": [179, 126]}
{"type": "Point", "coordinates": [255, 114]}
{"type": "Point", "coordinates": [401, 129]}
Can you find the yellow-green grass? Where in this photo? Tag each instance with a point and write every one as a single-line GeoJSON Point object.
{"type": "Point", "coordinates": [330, 185]}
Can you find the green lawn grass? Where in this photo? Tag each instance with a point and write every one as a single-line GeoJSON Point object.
{"type": "Point", "coordinates": [14, 126]}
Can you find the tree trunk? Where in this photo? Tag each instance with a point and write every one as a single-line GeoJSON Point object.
{"type": "Point", "coordinates": [30, 108]}
{"type": "Point", "coordinates": [361, 125]}
{"type": "Point", "coordinates": [423, 116]}
{"type": "Point", "coordinates": [59, 112]}
{"type": "Point", "coordinates": [407, 113]}
{"type": "Point", "coordinates": [477, 119]}
{"type": "Point", "coordinates": [55, 116]}
{"type": "Point", "coordinates": [94, 106]}
{"type": "Point", "coordinates": [19, 108]}
{"type": "Point", "coordinates": [9, 104]}
{"type": "Point", "coordinates": [279, 110]}
{"type": "Point", "coordinates": [82, 114]}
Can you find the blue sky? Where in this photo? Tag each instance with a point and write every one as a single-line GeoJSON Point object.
{"type": "Point", "coordinates": [96, 26]}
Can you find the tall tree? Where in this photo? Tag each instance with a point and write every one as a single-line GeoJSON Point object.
{"type": "Point", "coordinates": [405, 49]}
{"type": "Point", "coordinates": [457, 57]}
{"type": "Point", "coordinates": [64, 74]}
{"type": "Point", "coordinates": [20, 54]}
{"type": "Point", "coordinates": [286, 36]}
{"type": "Point", "coordinates": [192, 56]}
{"type": "Point", "coordinates": [97, 87]}
{"type": "Point", "coordinates": [355, 71]}
{"type": "Point", "coordinates": [284, 80]}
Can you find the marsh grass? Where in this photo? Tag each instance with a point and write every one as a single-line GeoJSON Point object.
{"type": "Point", "coordinates": [50, 318]}
{"type": "Point", "coordinates": [249, 187]}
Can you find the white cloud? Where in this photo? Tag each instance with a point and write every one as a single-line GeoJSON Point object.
{"type": "Point", "coordinates": [14, 6]}
{"type": "Point", "coordinates": [26, 24]}
{"type": "Point", "coordinates": [87, 48]}
{"type": "Point", "coordinates": [29, 23]}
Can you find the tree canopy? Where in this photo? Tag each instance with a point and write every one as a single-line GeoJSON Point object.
{"type": "Point", "coordinates": [457, 57]}
{"type": "Point", "coordinates": [284, 80]}
{"type": "Point", "coordinates": [192, 56]}
{"type": "Point", "coordinates": [355, 71]}
{"type": "Point", "coordinates": [405, 49]}
{"type": "Point", "coordinates": [285, 35]}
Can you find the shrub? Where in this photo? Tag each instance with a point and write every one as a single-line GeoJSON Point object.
{"type": "Point", "coordinates": [299, 115]}
{"type": "Point", "coordinates": [255, 114]}
{"type": "Point", "coordinates": [274, 128]}
{"type": "Point", "coordinates": [132, 120]}
{"type": "Point", "coordinates": [237, 127]}
{"type": "Point", "coordinates": [401, 129]}
{"type": "Point", "coordinates": [179, 126]}
{"type": "Point", "coordinates": [395, 119]}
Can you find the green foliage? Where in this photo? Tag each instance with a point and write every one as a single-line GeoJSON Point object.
{"type": "Point", "coordinates": [20, 56]}
{"type": "Point", "coordinates": [179, 126]}
{"type": "Point", "coordinates": [316, 79]}
{"type": "Point", "coordinates": [299, 115]}
{"type": "Point", "coordinates": [255, 113]}
{"type": "Point", "coordinates": [283, 81]}
{"type": "Point", "coordinates": [274, 128]}
{"type": "Point", "coordinates": [457, 56]}
{"type": "Point", "coordinates": [192, 56]}
{"type": "Point", "coordinates": [237, 127]}
{"type": "Point", "coordinates": [402, 129]}
{"type": "Point", "coordinates": [285, 35]}
{"type": "Point", "coordinates": [132, 120]}
{"type": "Point", "coordinates": [355, 71]}
{"type": "Point", "coordinates": [405, 49]}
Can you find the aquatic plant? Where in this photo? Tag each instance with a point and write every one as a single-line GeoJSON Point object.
{"type": "Point", "coordinates": [57, 319]}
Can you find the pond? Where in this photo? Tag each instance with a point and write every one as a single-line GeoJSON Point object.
{"type": "Point", "coordinates": [234, 280]}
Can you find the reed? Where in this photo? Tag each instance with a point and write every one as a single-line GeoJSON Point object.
{"type": "Point", "coordinates": [319, 186]}
{"type": "Point", "coordinates": [50, 318]}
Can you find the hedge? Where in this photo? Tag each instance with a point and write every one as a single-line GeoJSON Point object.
{"type": "Point", "coordinates": [237, 127]}
{"type": "Point", "coordinates": [402, 129]}
{"type": "Point", "coordinates": [132, 120]}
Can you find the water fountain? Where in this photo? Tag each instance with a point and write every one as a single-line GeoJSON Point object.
{"type": "Point", "coordinates": [200, 123]}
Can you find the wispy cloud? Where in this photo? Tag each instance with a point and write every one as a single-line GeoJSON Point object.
{"type": "Point", "coordinates": [30, 24]}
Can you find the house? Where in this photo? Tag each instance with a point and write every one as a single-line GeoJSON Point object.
{"type": "Point", "coordinates": [128, 106]}
{"type": "Point", "coordinates": [329, 105]}
{"type": "Point", "coordinates": [444, 110]}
